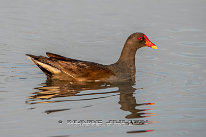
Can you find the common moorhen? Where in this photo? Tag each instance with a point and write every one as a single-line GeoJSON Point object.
{"type": "Point", "coordinates": [63, 68]}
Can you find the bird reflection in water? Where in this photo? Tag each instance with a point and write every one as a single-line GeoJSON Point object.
{"type": "Point", "coordinates": [54, 91]}
{"type": "Point", "coordinates": [128, 103]}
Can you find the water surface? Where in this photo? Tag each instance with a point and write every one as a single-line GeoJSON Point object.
{"type": "Point", "coordinates": [169, 92]}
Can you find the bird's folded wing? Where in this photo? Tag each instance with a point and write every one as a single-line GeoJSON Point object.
{"type": "Point", "coordinates": [84, 70]}
{"type": "Point", "coordinates": [79, 70]}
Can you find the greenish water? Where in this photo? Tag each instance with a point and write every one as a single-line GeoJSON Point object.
{"type": "Point", "coordinates": [168, 98]}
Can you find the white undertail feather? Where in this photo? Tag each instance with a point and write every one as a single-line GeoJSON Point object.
{"type": "Point", "coordinates": [47, 67]}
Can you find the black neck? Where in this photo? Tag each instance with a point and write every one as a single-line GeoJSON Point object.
{"type": "Point", "coordinates": [128, 53]}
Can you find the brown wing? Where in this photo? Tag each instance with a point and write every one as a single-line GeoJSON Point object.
{"type": "Point", "coordinates": [56, 56]}
{"type": "Point", "coordinates": [76, 69]}
{"type": "Point", "coordinates": [59, 57]}
{"type": "Point", "coordinates": [83, 70]}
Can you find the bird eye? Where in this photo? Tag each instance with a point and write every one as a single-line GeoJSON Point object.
{"type": "Point", "coordinates": [140, 38]}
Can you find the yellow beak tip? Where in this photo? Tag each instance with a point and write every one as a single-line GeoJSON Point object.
{"type": "Point", "coordinates": [154, 47]}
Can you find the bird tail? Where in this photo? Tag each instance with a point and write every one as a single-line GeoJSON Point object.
{"type": "Point", "coordinates": [45, 64]}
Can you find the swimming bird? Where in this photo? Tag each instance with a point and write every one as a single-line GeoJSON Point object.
{"type": "Point", "coordinates": [63, 68]}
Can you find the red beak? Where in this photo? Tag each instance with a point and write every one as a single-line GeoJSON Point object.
{"type": "Point", "coordinates": [149, 43]}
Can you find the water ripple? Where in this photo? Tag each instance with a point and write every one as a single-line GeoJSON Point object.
{"type": "Point", "coordinates": [191, 43]}
{"type": "Point", "coordinates": [189, 54]}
